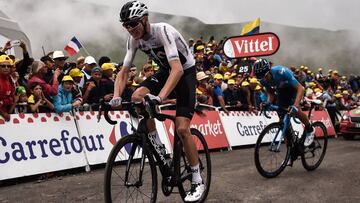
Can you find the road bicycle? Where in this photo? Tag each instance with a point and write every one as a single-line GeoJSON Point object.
{"type": "Point", "coordinates": [278, 145]}
{"type": "Point", "coordinates": [130, 173]}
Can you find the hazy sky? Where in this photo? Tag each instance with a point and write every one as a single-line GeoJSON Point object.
{"type": "Point", "coordinates": [327, 14]}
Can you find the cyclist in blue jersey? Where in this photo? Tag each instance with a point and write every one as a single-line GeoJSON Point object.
{"type": "Point", "coordinates": [279, 81]}
{"type": "Point", "coordinates": [177, 73]}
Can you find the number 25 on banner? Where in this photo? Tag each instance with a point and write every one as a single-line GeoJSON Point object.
{"type": "Point", "coordinates": [263, 44]}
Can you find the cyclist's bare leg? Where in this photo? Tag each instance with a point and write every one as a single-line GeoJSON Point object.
{"type": "Point", "coordinates": [303, 118]}
{"type": "Point", "coordinates": [183, 130]}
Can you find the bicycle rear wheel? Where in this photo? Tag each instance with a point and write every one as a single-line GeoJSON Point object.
{"type": "Point", "coordinates": [314, 154]}
{"type": "Point", "coordinates": [184, 170]}
{"type": "Point", "coordinates": [130, 174]}
{"type": "Point", "coordinates": [270, 160]}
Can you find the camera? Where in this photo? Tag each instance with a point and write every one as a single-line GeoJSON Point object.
{"type": "Point", "coordinates": [15, 42]}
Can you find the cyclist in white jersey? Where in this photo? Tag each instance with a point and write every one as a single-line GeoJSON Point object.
{"type": "Point", "coordinates": [177, 75]}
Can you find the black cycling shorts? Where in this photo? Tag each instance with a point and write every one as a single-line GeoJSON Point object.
{"type": "Point", "coordinates": [184, 92]}
{"type": "Point", "coordinates": [286, 97]}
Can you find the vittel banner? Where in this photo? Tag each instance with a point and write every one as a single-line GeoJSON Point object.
{"type": "Point", "coordinates": [38, 143]}
{"type": "Point", "coordinates": [263, 44]}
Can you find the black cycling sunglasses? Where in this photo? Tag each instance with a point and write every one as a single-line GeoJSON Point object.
{"type": "Point", "coordinates": [131, 24]}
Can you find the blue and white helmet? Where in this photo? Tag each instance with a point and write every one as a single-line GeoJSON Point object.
{"type": "Point", "coordinates": [261, 67]}
{"type": "Point", "coordinates": [133, 10]}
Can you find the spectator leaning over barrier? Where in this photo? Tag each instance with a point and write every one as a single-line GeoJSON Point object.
{"type": "Point", "coordinates": [39, 69]}
{"type": "Point", "coordinates": [218, 96]}
{"type": "Point", "coordinates": [37, 101]}
{"type": "Point", "coordinates": [107, 82]}
{"type": "Point", "coordinates": [64, 101]}
{"type": "Point", "coordinates": [93, 92]}
{"type": "Point", "coordinates": [7, 88]}
{"type": "Point", "coordinates": [21, 100]}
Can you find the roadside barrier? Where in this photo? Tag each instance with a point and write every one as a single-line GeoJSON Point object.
{"type": "Point", "coordinates": [38, 143]}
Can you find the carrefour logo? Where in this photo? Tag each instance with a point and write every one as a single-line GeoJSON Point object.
{"type": "Point", "coordinates": [43, 148]}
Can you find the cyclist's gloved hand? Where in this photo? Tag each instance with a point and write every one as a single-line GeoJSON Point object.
{"type": "Point", "coordinates": [154, 98]}
{"type": "Point", "coordinates": [115, 101]}
{"type": "Point", "coordinates": [293, 109]}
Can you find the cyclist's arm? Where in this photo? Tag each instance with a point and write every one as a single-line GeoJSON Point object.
{"type": "Point", "coordinates": [168, 40]}
{"type": "Point", "coordinates": [123, 75]}
{"type": "Point", "coordinates": [269, 91]}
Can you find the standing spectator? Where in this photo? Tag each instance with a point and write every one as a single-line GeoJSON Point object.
{"type": "Point", "coordinates": [50, 64]}
{"type": "Point", "coordinates": [204, 87]}
{"type": "Point", "coordinates": [89, 64]}
{"type": "Point", "coordinates": [218, 96]}
{"type": "Point", "coordinates": [7, 88]}
{"type": "Point", "coordinates": [39, 69]}
{"type": "Point", "coordinates": [59, 59]}
{"type": "Point", "coordinates": [80, 62]}
{"type": "Point", "coordinates": [37, 102]}
{"type": "Point", "coordinates": [77, 76]}
{"type": "Point", "coordinates": [64, 101]}
{"type": "Point", "coordinates": [231, 96]}
{"type": "Point", "coordinates": [104, 59]}
{"type": "Point", "coordinates": [107, 82]}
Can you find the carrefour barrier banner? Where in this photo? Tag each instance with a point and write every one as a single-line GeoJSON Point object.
{"type": "Point", "coordinates": [100, 137]}
{"type": "Point", "coordinates": [38, 143]}
{"type": "Point", "coordinates": [208, 124]}
{"type": "Point", "coordinates": [243, 128]}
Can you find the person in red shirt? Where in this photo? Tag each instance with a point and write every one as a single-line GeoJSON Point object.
{"type": "Point", "coordinates": [7, 87]}
{"type": "Point", "coordinates": [39, 69]}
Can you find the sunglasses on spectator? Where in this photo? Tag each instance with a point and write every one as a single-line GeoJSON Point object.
{"type": "Point", "coordinates": [6, 66]}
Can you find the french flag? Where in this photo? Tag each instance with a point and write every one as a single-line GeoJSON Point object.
{"type": "Point", "coordinates": [73, 46]}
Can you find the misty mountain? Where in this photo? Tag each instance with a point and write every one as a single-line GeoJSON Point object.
{"type": "Point", "coordinates": [298, 46]}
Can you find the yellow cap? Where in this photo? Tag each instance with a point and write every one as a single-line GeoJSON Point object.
{"type": "Point", "coordinates": [135, 84]}
{"type": "Point", "coordinates": [339, 87]}
{"type": "Point", "coordinates": [254, 80]}
{"type": "Point", "coordinates": [316, 90]}
{"type": "Point", "coordinates": [218, 76]}
{"type": "Point", "coordinates": [201, 47]}
{"type": "Point", "coordinates": [345, 92]}
{"type": "Point", "coordinates": [335, 72]}
{"type": "Point", "coordinates": [244, 84]}
{"type": "Point", "coordinates": [6, 59]}
{"type": "Point", "coordinates": [198, 91]}
{"type": "Point", "coordinates": [258, 87]}
{"type": "Point", "coordinates": [75, 72]}
{"type": "Point", "coordinates": [309, 71]}
{"type": "Point", "coordinates": [108, 66]}
{"type": "Point", "coordinates": [358, 95]}
{"type": "Point", "coordinates": [306, 68]}
{"type": "Point", "coordinates": [320, 69]}
{"type": "Point", "coordinates": [343, 77]}
{"type": "Point", "coordinates": [232, 75]}
{"type": "Point", "coordinates": [311, 84]}
{"type": "Point", "coordinates": [67, 78]}
{"type": "Point", "coordinates": [338, 95]}
{"type": "Point", "coordinates": [226, 77]}
{"type": "Point", "coordinates": [231, 82]}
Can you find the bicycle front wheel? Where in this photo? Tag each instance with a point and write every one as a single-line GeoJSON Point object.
{"type": "Point", "coordinates": [271, 152]}
{"type": "Point", "coordinates": [184, 170]}
{"type": "Point", "coordinates": [130, 173]}
{"type": "Point", "coordinates": [315, 153]}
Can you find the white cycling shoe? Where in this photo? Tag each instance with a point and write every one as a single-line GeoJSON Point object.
{"type": "Point", "coordinates": [309, 139]}
{"type": "Point", "coordinates": [195, 193]}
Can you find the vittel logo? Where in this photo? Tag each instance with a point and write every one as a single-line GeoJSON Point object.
{"type": "Point", "coordinates": [253, 45]}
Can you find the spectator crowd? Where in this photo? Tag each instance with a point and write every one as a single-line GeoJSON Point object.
{"type": "Point", "coordinates": [55, 84]}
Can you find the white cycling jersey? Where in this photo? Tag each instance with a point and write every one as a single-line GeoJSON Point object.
{"type": "Point", "coordinates": [164, 45]}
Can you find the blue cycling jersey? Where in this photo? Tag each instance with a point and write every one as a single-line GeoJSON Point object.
{"type": "Point", "coordinates": [282, 77]}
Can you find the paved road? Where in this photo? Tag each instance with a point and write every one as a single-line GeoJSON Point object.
{"type": "Point", "coordinates": [235, 179]}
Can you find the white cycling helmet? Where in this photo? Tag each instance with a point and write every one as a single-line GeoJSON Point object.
{"type": "Point", "coordinates": [133, 10]}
